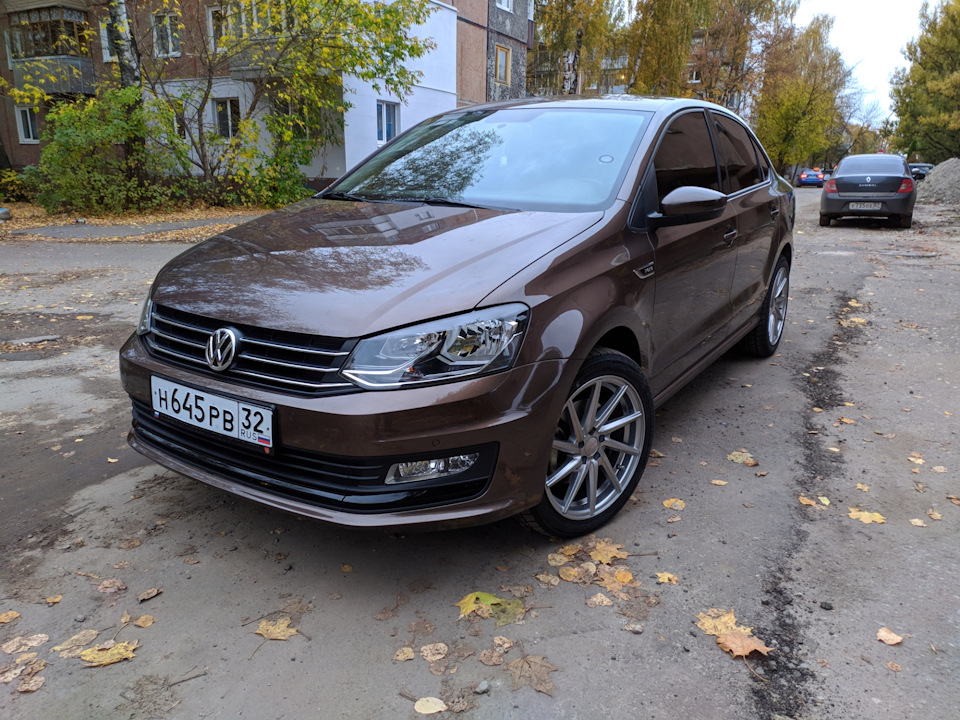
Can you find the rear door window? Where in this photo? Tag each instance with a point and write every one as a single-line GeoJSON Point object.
{"type": "Point", "coordinates": [737, 153]}
{"type": "Point", "coordinates": [686, 156]}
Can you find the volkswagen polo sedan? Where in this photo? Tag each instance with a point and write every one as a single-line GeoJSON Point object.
{"type": "Point", "coordinates": [476, 322]}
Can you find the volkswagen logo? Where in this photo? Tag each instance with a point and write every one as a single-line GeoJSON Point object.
{"type": "Point", "coordinates": [221, 348]}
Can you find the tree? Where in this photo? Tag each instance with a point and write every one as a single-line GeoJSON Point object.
{"type": "Point", "coordinates": [926, 95]}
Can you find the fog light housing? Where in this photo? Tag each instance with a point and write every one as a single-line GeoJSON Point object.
{"type": "Point", "coordinates": [418, 470]}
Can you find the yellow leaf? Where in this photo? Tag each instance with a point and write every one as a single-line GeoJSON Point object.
{"type": "Point", "coordinates": [866, 517]}
{"type": "Point", "coordinates": [938, 469]}
{"type": "Point", "coordinates": [144, 621]}
{"type": "Point", "coordinates": [279, 630]}
{"type": "Point", "coordinates": [404, 654]}
{"type": "Point", "coordinates": [893, 666]}
{"type": "Point", "coordinates": [470, 603]}
{"type": "Point", "coordinates": [740, 644]}
{"type": "Point", "coordinates": [100, 656]}
{"type": "Point", "coordinates": [9, 616]}
{"type": "Point", "coordinates": [84, 317]}
{"type": "Point", "coordinates": [623, 576]}
{"type": "Point", "coordinates": [547, 579]}
{"type": "Point", "coordinates": [665, 577]}
{"type": "Point", "coordinates": [720, 622]}
{"type": "Point", "coordinates": [112, 460]}
{"type": "Point", "coordinates": [599, 600]}
{"type": "Point", "coordinates": [864, 488]}
{"type": "Point", "coordinates": [74, 646]}
{"type": "Point", "coordinates": [806, 500]}
{"type": "Point", "coordinates": [918, 523]}
{"type": "Point", "coordinates": [605, 552]}
{"type": "Point", "coordinates": [434, 651]}
{"type": "Point", "coordinates": [916, 460]}
{"type": "Point", "coordinates": [346, 568]}
{"type": "Point", "coordinates": [825, 501]}
{"type": "Point", "coordinates": [833, 449]}
{"type": "Point", "coordinates": [568, 573]}
{"type": "Point", "coordinates": [742, 457]}
{"type": "Point", "coordinates": [570, 550]}
{"type": "Point", "coordinates": [674, 504]}
{"type": "Point", "coordinates": [934, 515]}
{"type": "Point", "coordinates": [53, 599]}
{"type": "Point", "coordinates": [721, 483]}
{"type": "Point", "coordinates": [886, 635]}
{"type": "Point", "coordinates": [557, 559]}
{"type": "Point", "coordinates": [818, 410]}
{"type": "Point", "coordinates": [848, 421]}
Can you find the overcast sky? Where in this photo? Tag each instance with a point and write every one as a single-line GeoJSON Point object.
{"type": "Point", "coordinates": [870, 34]}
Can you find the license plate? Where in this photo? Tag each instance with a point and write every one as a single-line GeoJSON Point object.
{"type": "Point", "coordinates": [233, 418]}
{"type": "Point", "coordinates": [865, 206]}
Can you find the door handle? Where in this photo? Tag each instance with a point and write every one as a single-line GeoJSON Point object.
{"type": "Point", "coordinates": [775, 212]}
{"type": "Point", "coordinates": [729, 236]}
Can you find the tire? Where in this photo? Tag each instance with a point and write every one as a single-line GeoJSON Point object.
{"type": "Point", "coordinates": [595, 466]}
{"type": "Point", "coordinates": [906, 221]}
{"type": "Point", "coordinates": [824, 220]}
{"type": "Point", "coordinates": [763, 340]}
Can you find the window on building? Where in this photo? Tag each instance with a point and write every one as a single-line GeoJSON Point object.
{"type": "Point", "coordinates": [530, 7]}
{"type": "Point", "coordinates": [225, 20]}
{"type": "Point", "coordinates": [505, 5]}
{"type": "Point", "coordinates": [227, 116]}
{"type": "Point", "coordinates": [386, 121]}
{"type": "Point", "coordinates": [27, 125]}
{"type": "Point", "coordinates": [502, 69]}
{"type": "Point", "coordinates": [166, 35]}
{"type": "Point", "coordinates": [48, 31]}
{"type": "Point", "coordinates": [109, 37]}
{"type": "Point", "coordinates": [693, 75]}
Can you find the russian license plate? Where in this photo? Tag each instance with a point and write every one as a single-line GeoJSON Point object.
{"type": "Point", "coordinates": [233, 418]}
{"type": "Point", "coordinates": [865, 206]}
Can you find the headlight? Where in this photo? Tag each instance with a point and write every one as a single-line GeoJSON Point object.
{"type": "Point", "coordinates": [475, 343]}
{"type": "Point", "coordinates": [144, 325]}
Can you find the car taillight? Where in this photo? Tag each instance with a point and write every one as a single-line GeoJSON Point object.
{"type": "Point", "coordinates": [803, 176]}
{"type": "Point", "coordinates": [830, 187]}
{"type": "Point", "coordinates": [819, 176]}
{"type": "Point", "coordinates": [906, 186]}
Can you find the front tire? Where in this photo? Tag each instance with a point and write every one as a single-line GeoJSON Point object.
{"type": "Point", "coordinates": [599, 449]}
{"type": "Point", "coordinates": [763, 340]}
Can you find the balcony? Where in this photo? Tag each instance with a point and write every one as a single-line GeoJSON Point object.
{"type": "Point", "coordinates": [56, 74]}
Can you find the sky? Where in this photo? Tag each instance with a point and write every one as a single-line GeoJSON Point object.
{"type": "Point", "coordinates": [870, 35]}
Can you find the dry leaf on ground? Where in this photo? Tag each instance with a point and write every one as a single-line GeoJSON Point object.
{"type": "Point", "coordinates": [279, 630]}
{"type": "Point", "coordinates": [144, 621]}
{"type": "Point", "coordinates": [742, 457]}
{"type": "Point", "coordinates": [404, 654]}
{"type": "Point", "coordinates": [430, 705]}
{"type": "Point", "coordinates": [108, 654]}
{"type": "Point", "coordinates": [721, 483]}
{"type": "Point", "coordinates": [740, 644]}
{"type": "Point", "coordinates": [22, 644]}
{"type": "Point", "coordinates": [720, 622]}
{"type": "Point", "coordinates": [893, 666]}
{"type": "Point", "coordinates": [606, 552]}
{"type": "Point", "coordinates": [674, 504]}
{"type": "Point", "coordinates": [599, 600]}
{"type": "Point", "coordinates": [888, 637]}
{"type": "Point", "coordinates": [934, 515]}
{"type": "Point", "coordinates": [665, 577]}
{"type": "Point", "coordinates": [918, 523]}
{"type": "Point", "coordinates": [31, 684]}
{"type": "Point", "coordinates": [866, 517]}
{"type": "Point", "coordinates": [147, 594]}
{"type": "Point", "coordinates": [806, 501]}
{"type": "Point", "coordinates": [434, 651]}
{"type": "Point", "coordinates": [111, 585]}
{"type": "Point", "coordinates": [532, 670]}
{"type": "Point", "coordinates": [9, 616]}
{"type": "Point", "coordinates": [74, 646]}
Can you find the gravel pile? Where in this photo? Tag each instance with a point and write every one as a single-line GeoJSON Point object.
{"type": "Point", "coordinates": [942, 184]}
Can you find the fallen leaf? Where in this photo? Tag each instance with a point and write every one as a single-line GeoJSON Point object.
{"type": "Point", "coordinates": [103, 655]}
{"type": "Point", "coordinates": [656, 454]}
{"type": "Point", "coordinates": [404, 654]}
{"type": "Point", "coordinates": [144, 621]}
{"type": "Point", "coordinates": [570, 574]}
{"type": "Point", "coordinates": [599, 600]}
{"type": "Point", "coordinates": [934, 515]}
{"type": "Point", "coordinates": [606, 552]}
{"type": "Point", "coordinates": [864, 488]}
{"type": "Point", "coordinates": [546, 579]}
{"type": "Point", "coordinates": [557, 559]}
{"type": "Point", "coordinates": [887, 636]}
{"type": "Point", "coordinates": [673, 519]}
{"type": "Point", "coordinates": [346, 568]}
{"type": "Point", "coordinates": [112, 460]}
{"type": "Point", "coordinates": [893, 666]}
{"type": "Point", "coordinates": [848, 421]}
{"type": "Point", "coordinates": [806, 501]}
{"type": "Point", "coordinates": [111, 586]}
{"type": "Point", "coordinates": [491, 657]}
{"type": "Point", "coordinates": [279, 630]}
{"type": "Point", "coordinates": [434, 651]}
{"type": "Point", "coordinates": [674, 504]}
{"type": "Point", "coordinates": [22, 644]}
{"type": "Point", "coordinates": [31, 684]}
{"type": "Point", "coordinates": [130, 543]}
{"type": "Point", "coordinates": [570, 550]}
{"type": "Point", "coordinates": [147, 594]}
{"type": "Point", "coordinates": [721, 483]}
{"type": "Point", "coordinates": [740, 644]}
{"type": "Point", "coordinates": [9, 616]}
{"type": "Point", "coordinates": [430, 705]}
{"type": "Point", "coordinates": [84, 317]}
{"type": "Point", "coordinates": [532, 670]}
{"type": "Point", "coordinates": [190, 560]}
{"type": "Point", "coordinates": [762, 473]}
{"type": "Point", "coordinates": [676, 440]}
{"type": "Point", "coordinates": [866, 517]}
{"type": "Point", "coordinates": [471, 602]}
{"type": "Point", "coordinates": [918, 523]}
{"type": "Point", "coordinates": [938, 469]}
{"type": "Point", "coordinates": [74, 646]}
{"type": "Point", "coordinates": [720, 622]}
{"type": "Point", "coordinates": [53, 599]}
{"type": "Point", "coordinates": [824, 500]}
{"type": "Point", "coordinates": [666, 578]}
{"type": "Point", "coordinates": [818, 410]}
{"type": "Point", "coordinates": [954, 499]}
{"type": "Point", "coordinates": [833, 449]}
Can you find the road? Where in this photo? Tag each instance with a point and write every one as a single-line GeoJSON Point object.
{"type": "Point", "coordinates": [859, 409]}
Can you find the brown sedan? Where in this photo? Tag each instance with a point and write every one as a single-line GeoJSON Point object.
{"type": "Point", "coordinates": [476, 322]}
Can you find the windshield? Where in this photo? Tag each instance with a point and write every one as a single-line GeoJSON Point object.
{"type": "Point", "coordinates": [884, 164]}
{"type": "Point", "coordinates": [557, 159]}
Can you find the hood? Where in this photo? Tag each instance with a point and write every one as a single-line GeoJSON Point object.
{"type": "Point", "coordinates": [349, 269]}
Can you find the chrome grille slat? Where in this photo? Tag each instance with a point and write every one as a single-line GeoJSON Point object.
{"type": "Point", "coordinates": [275, 359]}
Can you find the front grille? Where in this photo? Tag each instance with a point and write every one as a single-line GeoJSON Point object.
{"type": "Point", "coordinates": [333, 482]}
{"type": "Point", "coordinates": [278, 360]}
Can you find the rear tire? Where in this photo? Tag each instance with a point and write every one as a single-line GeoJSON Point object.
{"type": "Point", "coordinates": [824, 220]}
{"type": "Point", "coordinates": [600, 447]}
{"type": "Point", "coordinates": [906, 221]}
{"type": "Point", "coordinates": [763, 340]}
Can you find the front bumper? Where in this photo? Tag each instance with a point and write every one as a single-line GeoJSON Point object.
{"type": "Point", "coordinates": [331, 454]}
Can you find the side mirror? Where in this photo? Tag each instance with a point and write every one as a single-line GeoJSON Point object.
{"type": "Point", "coordinates": [689, 204]}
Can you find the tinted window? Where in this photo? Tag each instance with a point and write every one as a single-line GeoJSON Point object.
{"type": "Point", "coordinates": [559, 159]}
{"type": "Point", "coordinates": [737, 152]}
{"type": "Point", "coordinates": [887, 164]}
{"type": "Point", "coordinates": [685, 156]}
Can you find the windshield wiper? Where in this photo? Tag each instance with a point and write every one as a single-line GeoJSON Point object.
{"type": "Point", "coordinates": [429, 200]}
{"type": "Point", "coordinates": [343, 196]}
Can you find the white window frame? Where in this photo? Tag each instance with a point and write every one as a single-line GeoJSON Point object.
{"type": "Point", "coordinates": [235, 20]}
{"type": "Point", "coordinates": [33, 138]}
{"type": "Point", "coordinates": [505, 80]}
{"type": "Point", "coordinates": [384, 109]}
{"type": "Point", "coordinates": [216, 115]}
{"type": "Point", "coordinates": [171, 21]}
{"type": "Point", "coordinates": [108, 55]}
{"type": "Point", "coordinates": [530, 8]}
{"type": "Point", "coordinates": [506, 5]}
{"type": "Point", "coordinates": [693, 75]}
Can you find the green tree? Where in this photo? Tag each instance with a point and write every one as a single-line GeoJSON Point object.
{"type": "Point", "coordinates": [926, 95]}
